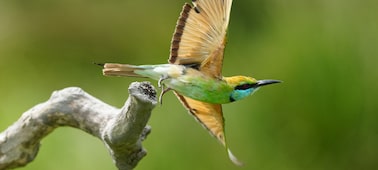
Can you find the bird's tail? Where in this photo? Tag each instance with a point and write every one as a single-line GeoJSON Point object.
{"type": "Point", "coordinates": [125, 70]}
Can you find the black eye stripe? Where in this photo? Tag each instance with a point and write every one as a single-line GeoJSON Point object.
{"type": "Point", "coordinates": [244, 86]}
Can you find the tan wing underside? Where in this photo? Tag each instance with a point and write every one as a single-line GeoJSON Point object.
{"type": "Point", "coordinates": [199, 38]}
{"type": "Point", "coordinates": [200, 34]}
{"type": "Point", "coordinates": [209, 115]}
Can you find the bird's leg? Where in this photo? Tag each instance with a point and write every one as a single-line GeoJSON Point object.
{"type": "Point", "coordinates": [163, 91]}
{"type": "Point", "coordinates": [161, 85]}
{"type": "Point", "coordinates": [162, 78]}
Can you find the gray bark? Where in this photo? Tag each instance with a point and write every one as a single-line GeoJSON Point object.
{"type": "Point", "coordinates": [121, 130]}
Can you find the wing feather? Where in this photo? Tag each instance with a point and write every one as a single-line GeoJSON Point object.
{"type": "Point", "coordinates": [199, 39]}
{"type": "Point", "coordinates": [211, 118]}
{"type": "Point", "coordinates": [207, 114]}
{"type": "Point", "coordinates": [200, 34]}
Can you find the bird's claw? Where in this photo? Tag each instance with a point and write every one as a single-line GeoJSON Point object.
{"type": "Point", "coordinates": [160, 82]}
{"type": "Point", "coordinates": [163, 91]}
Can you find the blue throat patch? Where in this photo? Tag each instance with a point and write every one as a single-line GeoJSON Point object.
{"type": "Point", "coordinates": [241, 94]}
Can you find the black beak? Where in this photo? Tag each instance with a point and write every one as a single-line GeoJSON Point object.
{"type": "Point", "coordinates": [266, 82]}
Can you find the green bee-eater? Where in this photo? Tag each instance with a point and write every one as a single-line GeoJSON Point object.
{"type": "Point", "coordinates": [195, 64]}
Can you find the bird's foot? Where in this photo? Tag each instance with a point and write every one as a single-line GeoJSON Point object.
{"type": "Point", "coordinates": [161, 85]}
{"type": "Point", "coordinates": [163, 91]}
{"type": "Point", "coordinates": [160, 82]}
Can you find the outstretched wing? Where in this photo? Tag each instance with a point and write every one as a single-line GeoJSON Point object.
{"type": "Point", "coordinates": [210, 117]}
{"type": "Point", "coordinates": [200, 40]}
{"type": "Point", "coordinates": [200, 34]}
{"type": "Point", "coordinates": [206, 114]}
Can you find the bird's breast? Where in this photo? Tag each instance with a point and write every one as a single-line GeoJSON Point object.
{"type": "Point", "coordinates": [198, 86]}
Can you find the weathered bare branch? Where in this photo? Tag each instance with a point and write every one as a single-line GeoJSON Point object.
{"type": "Point", "coordinates": [121, 130]}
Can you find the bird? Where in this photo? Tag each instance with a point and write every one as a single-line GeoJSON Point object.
{"type": "Point", "coordinates": [194, 67]}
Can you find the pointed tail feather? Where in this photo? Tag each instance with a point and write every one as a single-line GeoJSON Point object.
{"type": "Point", "coordinates": [231, 156]}
{"type": "Point", "coordinates": [234, 159]}
{"type": "Point", "coordinates": [125, 70]}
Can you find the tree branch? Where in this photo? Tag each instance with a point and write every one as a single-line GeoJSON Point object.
{"type": "Point", "coordinates": [122, 130]}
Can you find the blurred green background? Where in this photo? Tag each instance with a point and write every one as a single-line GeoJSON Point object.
{"type": "Point", "coordinates": [324, 115]}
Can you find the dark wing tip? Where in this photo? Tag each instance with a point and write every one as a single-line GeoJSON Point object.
{"type": "Point", "coordinates": [99, 64]}
{"type": "Point", "coordinates": [180, 25]}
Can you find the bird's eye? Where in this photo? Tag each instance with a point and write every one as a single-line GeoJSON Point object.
{"type": "Point", "coordinates": [243, 86]}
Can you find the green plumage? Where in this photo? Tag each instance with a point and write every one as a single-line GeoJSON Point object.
{"type": "Point", "coordinates": [188, 82]}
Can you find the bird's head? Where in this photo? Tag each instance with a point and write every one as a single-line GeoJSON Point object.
{"type": "Point", "coordinates": [244, 86]}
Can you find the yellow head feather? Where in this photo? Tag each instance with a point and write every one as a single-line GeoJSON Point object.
{"type": "Point", "coordinates": [238, 80]}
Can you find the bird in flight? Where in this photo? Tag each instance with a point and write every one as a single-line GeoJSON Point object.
{"type": "Point", "coordinates": [195, 65]}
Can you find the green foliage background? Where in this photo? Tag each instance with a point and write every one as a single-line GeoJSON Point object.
{"type": "Point", "coordinates": [324, 115]}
